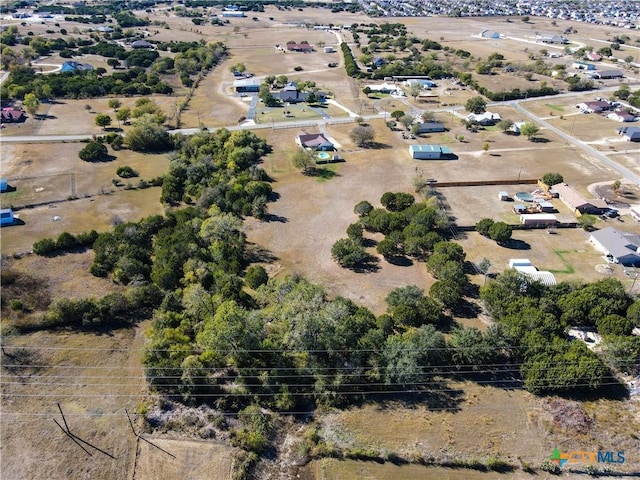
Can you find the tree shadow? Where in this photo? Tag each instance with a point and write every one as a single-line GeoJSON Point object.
{"type": "Point", "coordinates": [369, 242]}
{"type": "Point", "coordinates": [322, 173]}
{"type": "Point", "coordinates": [514, 244]}
{"type": "Point", "coordinates": [269, 217]}
{"type": "Point", "coordinates": [539, 140]}
{"type": "Point", "coordinates": [500, 376]}
{"type": "Point", "coordinates": [439, 396]}
{"type": "Point", "coordinates": [46, 117]}
{"type": "Point", "coordinates": [370, 265]}
{"type": "Point", "coordinates": [256, 253]}
{"type": "Point", "coordinates": [400, 261]}
{"type": "Point", "coordinates": [376, 146]}
{"type": "Point", "coordinates": [466, 309]}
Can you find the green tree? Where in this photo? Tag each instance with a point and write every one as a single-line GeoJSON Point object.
{"type": "Point", "coordinates": [500, 232]}
{"type": "Point", "coordinates": [355, 232]}
{"type": "Point", "coordinates": [415, 89]}
{"type": "Point", "coordinates": [348, 253]}
{"type": "Point", "coordinates": [483, 226]}
{"type": "Point", "coordinates": [530, 130]}
{"type": "Point", "coordinates": [397, 114]}
{"type": "Point", "coordinates": [409, 306]}
{"type": "Point", "coordinates": [148, 136]}
{"type": "Point", "coordinates": [123, 115]}
{"type": "Point", "coordinates": [304, 161]}
{"type": "Point", "coordinates": [614, 325]}
{"type": "Point", "coordinates": [93, 152]}
{"type": "Point", "coordinates": [633, 313]}
{"type": "Point", "coordinates": [587, 222]}
{"type": "Point", "coordinates": [31, 104]}
{"type": "Point", "coordinates": [114, 103]}
{"type": "Point", "coordinates": [552, 178]}
{"type": "Point", "coordinates": [363, 208]}
{"type": "Point", "coordinates": [446, 292]}
{"type": "Point", "coordinates": [505, 125]}
{"type": "Point", "coordinates": [255, 276]}
{"type": "Point", "coordinates": [103, 120]}
{"type": "Point", "coordinates": [362, 135]}
{"type": "Point", "coordinates": [476, 105]}
{"type": "Point", "coordinates": [469, 348]}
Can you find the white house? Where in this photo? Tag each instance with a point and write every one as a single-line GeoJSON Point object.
{"type": "Point", "coordinates": [388, 88]}
{"type": "Point", "coordinates": [486, 118]}
{"type": "Point", "coordinates": [622, 116]}
{"type": "Point", "coordinates": [619, 247]}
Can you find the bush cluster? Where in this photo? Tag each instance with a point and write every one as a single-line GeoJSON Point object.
{"type": "Point", "coordinates": [64, 243]}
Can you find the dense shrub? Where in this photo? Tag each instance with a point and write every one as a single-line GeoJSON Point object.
{"type": "Point", "coordinates": [93, 152]}
{"type": "Point", "coordinates": [255, 276]}
{"type": "Point", "coordinates": [126, 172]}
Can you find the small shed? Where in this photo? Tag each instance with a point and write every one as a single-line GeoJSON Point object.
{"type": "Point", "coordinates": [6, 217]}
{"type": "Point", "coordinates": [4, 185]}
{"type": "Point", "coordinates": [503, 196]}
{"type": "Point", "coordinates": [519, 262]}
{"type": "Point", "coordinates": [428, 152]}
{"type": "Point", "coordinates": [538, 219]}
{"type": "Point", "coordinates": [546, 206]}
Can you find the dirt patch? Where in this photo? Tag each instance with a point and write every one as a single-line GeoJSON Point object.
{"type": "Point", "coordinates": [569, 416]}
{"type": "Point", "coordinates": [625, 196]}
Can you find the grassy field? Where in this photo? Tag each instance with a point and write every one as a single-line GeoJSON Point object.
{"type": "Point", "coordinates": [474, 423]}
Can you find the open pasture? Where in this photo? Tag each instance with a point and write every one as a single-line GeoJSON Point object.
{"type": "Point", "coordinates": [42, 178]}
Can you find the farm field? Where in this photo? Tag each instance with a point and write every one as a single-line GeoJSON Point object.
{"type": "Point", "coordinates": [468, 421]}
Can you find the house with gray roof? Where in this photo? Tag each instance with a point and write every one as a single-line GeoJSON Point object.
{"type": "Point", "coordinates": [606, 74]}
{"type": "Point", "coordinates": [618, 247]}
{"type": "Point", "coordinates": [429, 127]}
{"type": "Point", "coordinates": [631, 134]}
{"type": "Point", "coordinates": [315, 141]}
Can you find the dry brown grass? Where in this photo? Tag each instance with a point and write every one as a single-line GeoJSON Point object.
{"type": "Point", "coordinates": [93, 378]}
{"type": "Point", "coordinates": [41, 176]}
{"type": "Point", "coordinates": [332, 469]}
{"type": "Point", "coordinates": [196, 460]}
{"type": "Point", "coordinates": [511, 425]}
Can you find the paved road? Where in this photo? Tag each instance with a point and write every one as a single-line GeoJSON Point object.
{"type": "Point", "coordinates": [45, 138]}
{"type": "Point", "coordinates": [625, 172]}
